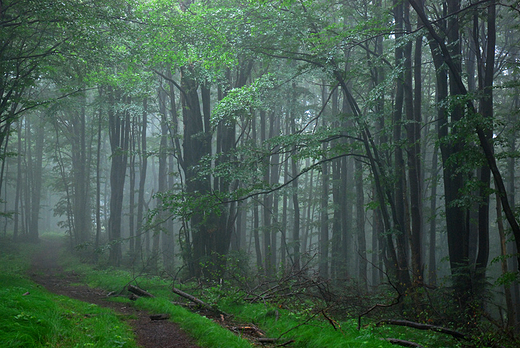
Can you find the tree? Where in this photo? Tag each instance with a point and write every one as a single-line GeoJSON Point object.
{"type": "Point", "coordinates": [119, 131]}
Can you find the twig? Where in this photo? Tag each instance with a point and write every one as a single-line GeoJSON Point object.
{"type": "Point", "coordinates": [329, 319]}
{"type": "Point", "coordinates": [297, 326]}
{"type": "Point", "coordinates": [396, 301]}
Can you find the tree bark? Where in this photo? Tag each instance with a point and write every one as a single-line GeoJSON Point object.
{"type": "Point", "coordinates": [119, 131]}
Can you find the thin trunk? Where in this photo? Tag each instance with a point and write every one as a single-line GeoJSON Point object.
{"type": "Point", "coordinates": [18, 182]}
{"type": "Point", "coordinates": [266, 201]}
{"type": "Point", "coordinates": [360, 227]}
{"type": "Point", "coordinates": [36, 181]}
{"type": "Point", "coordinates": [399, 167]}
{"type": "Point", "coordinates": [131, 189]}
{"type": "Point", "coordinates": [511, 310]}
{"type": "Point", "coordinates": [98, 184]}
{"type": "Point", "coordinates": [142, 178]}
{"type": "Point", "coordinates": [432, 262]}
{"type": "Point", "coordinates": [413, 128]}
{"type": "Point", "coordinates": [324, 222]}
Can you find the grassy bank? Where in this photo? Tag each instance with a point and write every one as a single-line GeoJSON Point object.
{"type": "Point", "coordinates": [304, 328]}
{"type": "Point", "coordinates": [33, 317]}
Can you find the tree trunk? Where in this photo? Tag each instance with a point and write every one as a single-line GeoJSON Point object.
{"type": "Point", "coordinates": [360, 227]}
{"type": "Point", "coordinates": [98, 185]}
{"type": "Point", "coordinates": [399, 197]}
{"type": "Point", "coordinates": [19, 182]}
{"type": "Point", "coordinates": [196, 144]}
{"type": "Point", "coordinates": [413, 130]}
{"type": "Point", "coordinates": [35, 169]}
{"type": "Point", "coordinates": [142, 179]}
{"type": "Point", "coordinates": [119, 131]}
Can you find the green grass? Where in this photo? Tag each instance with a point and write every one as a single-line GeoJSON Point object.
{"type": "Point", "coordinates": [30, 316]}
{"type": "Point", "coordinates": [206, 332]}
{"type": "Point", "coordinates": [315, 333]}
{"type": "Point", "coordinates": [42, 319]}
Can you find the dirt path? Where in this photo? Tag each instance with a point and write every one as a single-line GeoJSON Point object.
{"type": "Point", "coordinates": [149, 333]}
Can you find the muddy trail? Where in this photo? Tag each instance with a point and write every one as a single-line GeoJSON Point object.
{"type": "Point", "coordinates": [149, 333]}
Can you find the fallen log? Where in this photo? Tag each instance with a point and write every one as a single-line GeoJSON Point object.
{"type": "Point", "coordinates": [403, 343]}
{"type": "Point", "coordinates": [420, 326]}
{"type": "Point", "coordinates": [159, 316]}
{"type": "Point", "coordinates": [198, 301]}
{"type": "Point", "coordinates": [138, 291]}
{"type": "Point", "coordinates": [266, 340]}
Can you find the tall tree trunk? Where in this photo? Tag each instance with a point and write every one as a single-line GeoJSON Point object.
{"type": "Point", "coordinates": [98, 185]}
{"type": "Point", "coordinates": [162, 177]}
{"type": "Point", "coordinates": [35, 169]}
{"type": "Point", "coordinates": [432, 261]}
{"type": "Point", "coordinates": [19, 182]}
{"type": "Point", "coordinates": [511, 315]}
{"type": "Point", "coordinates": [486, 109]}
{"type": "Point", "coordinates": [324, 221]}
{"type": "Point", "coordinates": [399, 167]}
{"type": "Point", "coordinates": [81, 198]}
{"type": "Point", "coordinates": [360, 227]}
{"type": "Point", "coordinates": [267, 200]}
{"type": "Point", "coordinates": [119, 131]}
{"type": "Point", "coordinates": [295, 239]}
{"type": "Point", "coordinates": [142, 179]}
{"type": "Point", "coordinates": [413, 130]}
{"type": "Point", "coordinates": [196, 145]}
{"type": "Point", "coordinates": [274, 177]}
{"type": "Point", "coordinates": [256, 214]}
{"type": "Point", "coordinates": [511, 181]}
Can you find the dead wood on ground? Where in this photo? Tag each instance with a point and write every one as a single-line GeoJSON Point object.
{"type": "Point", "coordinates": [138, 291]}
{"type": "Point", "coordinates": [420, 326]}
{"type": "Point", "coordinates": [403, 343]}
{"type": "Point", "coordinates": [163, 316]}
{"type": "Point", "coordinates": [198, 301]}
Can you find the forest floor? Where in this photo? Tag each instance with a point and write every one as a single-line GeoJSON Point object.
{"type": "Point", "coordinates": [47, 272]}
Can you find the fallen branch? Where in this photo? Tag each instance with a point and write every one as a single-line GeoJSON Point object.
{"type": "Point", "coordinates": [139, 292]}
{"type": "Point", "coordinates": [403, 343]}
{"type": "Point", "coordinates": [197, 301]}
{"type": "Point", "coordinates": [420, 326]}
{"type": "Point", "coordinates": [159, 316]}
{"type": "Point", "coordinates": [329, 319]}
{"type": "Point", "coordinates": [396, 301]}
{"type": "Point", "coordinates": [266, 340]}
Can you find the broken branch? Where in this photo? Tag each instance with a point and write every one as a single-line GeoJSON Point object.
{"type": "Point", "coordinates": [198, 301]}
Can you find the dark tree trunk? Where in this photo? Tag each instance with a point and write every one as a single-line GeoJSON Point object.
{"type": "Point", "coordinates": [81, 197]}
{"type": "Point", "coordinates": [35, 169]}
{"type": "Point", "coordinates": [413, 130]}
{"type": "Point", "coordinates": [196, 144]}
{"type": "Point", "coordinates": [399, 197]}
{"type": "Point", "coordinates": [131, 188]}
{"type": "Point", "coordinates": [432, 261]}
{"type": "Point", "coordinates": [98, 184]}
{"type": "Point", "coordinates": [119, 131]}
{"type": "Point", "coordinates": [19, 182]}
{"type": "Point", "coordinates": [360, 227]}
{"type": "Point", "coordinates": [142, 179]}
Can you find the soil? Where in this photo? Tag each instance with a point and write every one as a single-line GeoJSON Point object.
{"type": "Point", "coordinates": [149, 333]}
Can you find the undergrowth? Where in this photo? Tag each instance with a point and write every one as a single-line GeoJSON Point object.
{"type": "Point", "coordinates": [302, 325]}
{"type": "Point", "coordinates": [65, 323]}
{"type": "Point", "coordinates": [33, 317]}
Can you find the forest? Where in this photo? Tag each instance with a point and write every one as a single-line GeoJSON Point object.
{"type": "Point", "coordinates": [358, 154]}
